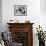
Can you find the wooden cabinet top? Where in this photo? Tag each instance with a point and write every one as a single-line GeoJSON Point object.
{"type": "Point", "coordinates": [20, 23]}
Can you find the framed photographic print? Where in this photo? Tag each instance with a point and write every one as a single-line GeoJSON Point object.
{"type": "Point", "coordinates": [20, 10]}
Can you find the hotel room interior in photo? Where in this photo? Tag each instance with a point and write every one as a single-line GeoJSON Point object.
{"type": "Point", "coordinates": [22, 23]}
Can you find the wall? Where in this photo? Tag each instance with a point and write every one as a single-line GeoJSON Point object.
{"type": "Point", "coordinates": [43, 14]}
{"type": "Point", "coordinates": [33, 10]}
{"type": "Point", "coordinates": [43, 6]}
{"type": "Point", "coordinates": [0, 15]}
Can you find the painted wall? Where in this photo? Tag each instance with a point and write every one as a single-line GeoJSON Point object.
{"type": "Point", "coordinates": [43, 6]}
{"type": "Point", "coordinates": [33, 10]}
{"type": "Point", "coordinates": [0, 15]}
{"type": "Point", "coordinates": [43, 14]}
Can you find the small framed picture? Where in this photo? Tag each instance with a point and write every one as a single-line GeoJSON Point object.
{"type": "Point", "coordinates": [20, 10]}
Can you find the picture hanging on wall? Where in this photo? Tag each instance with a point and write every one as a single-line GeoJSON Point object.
{"type": "Point", "coordinates": [20, 10]}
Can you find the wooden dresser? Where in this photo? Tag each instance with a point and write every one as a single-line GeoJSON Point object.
{"type": "Point", "coordinates": [22, 33]}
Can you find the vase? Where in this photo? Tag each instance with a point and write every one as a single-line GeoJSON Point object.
{"type": "Point", "coordinates": [41, 43]}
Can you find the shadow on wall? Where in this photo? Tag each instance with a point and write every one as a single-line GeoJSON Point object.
{"type": "Point", "coordinates": [0, 15]}
{"type": "Point", "coordinates": [43, 6]}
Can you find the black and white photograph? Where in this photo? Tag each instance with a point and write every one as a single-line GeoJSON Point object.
{"type": "Point", "coordinates": [20, 10]}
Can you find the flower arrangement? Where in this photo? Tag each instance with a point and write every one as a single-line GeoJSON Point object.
{"type": "Point", "coordinates": [40, 34]}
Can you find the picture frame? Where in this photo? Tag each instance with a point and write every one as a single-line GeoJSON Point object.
{"type": "Point", "coordinates": [20, 10]}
